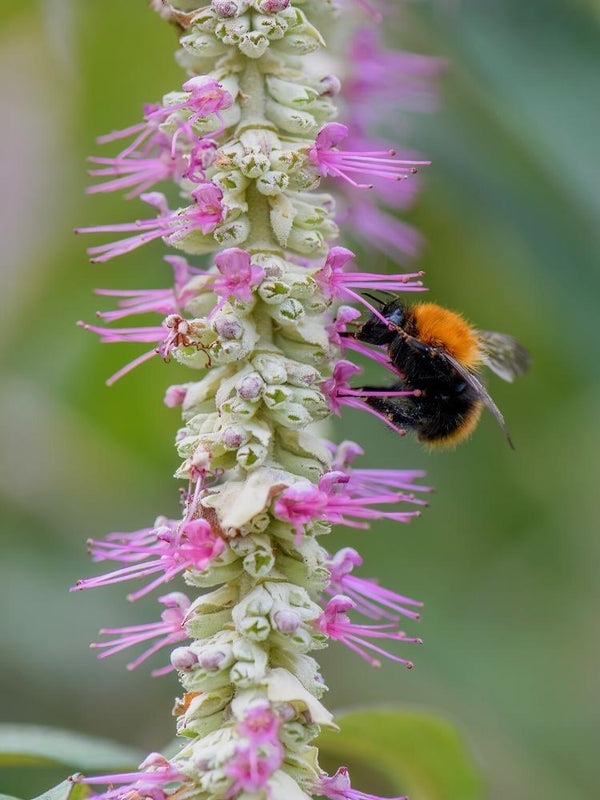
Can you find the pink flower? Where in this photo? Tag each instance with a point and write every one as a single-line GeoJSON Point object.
{"type": "Point", "coordinates": [363, 217]}
{"type": "Point", "coordinates": [347, 498]}
{"type": "Point", "coordinates": [238, 277]}
{"type": "Point", "coordinates": [370, 480]}
{"type": "Point", "coordinates": [201, 157]}
{"type": "Point", "coordinates": [251, 767]}
{"type": "Point", "coordinates": [174, 332]}
{"type": "Point", "coordinates": [337, 787]}
{"type": "Point", "coordinates": [387, 78]}
{"type": "Point", "coordinates": [175, 395]}
{"type": "Point", "coordinates": [345, 315]}
{"type": "Point", "coordinates": [139, 173]}
{"type": "Point", "coordinates": [382, 230]}
{"type": "Point", "coordinates": [158, 301]}
{"type": "Point", "coordinates": [330, 160]}
{"type": "Point", "coordinates": [205, 97]}
{"type": "Point", "coordinates": [138, 301]}
{"type": "Point", "coordinates": [339, 393]}
{"type": "Point", "coordinates": [172, 226]}
{"type": "Point", "coordinates": [336, 500]}
{"type": "Point", "coordinates": [372, 600]}
{"type": "Point", "coordinates": [170, 629]}
{"type": "Point", "coordinates": [260, 753]}
{"type": "Point", "coordinates": [335, 623]}
{"type": "Point", "coordinates": [300, 504]}
{"type": "Point", "coordinates": [260, 724]}
{"type": "Point", "coordinates": [382, 80]}
{"type": "Point", "coordinates": [150, 782]}
{"type": "Point", "coordinates": [337, 281]}
{"type": "Point", "coordinates": [166, 550]}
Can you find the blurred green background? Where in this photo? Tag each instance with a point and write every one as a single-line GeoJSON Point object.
{"type": "Point", "coordinates": [507, 555]}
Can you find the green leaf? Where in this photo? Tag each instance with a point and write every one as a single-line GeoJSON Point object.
{"type": "Point", "coordinates": [414, 753]}
{"type": "Point", "coordinates": [67, 790]}
{"type": "Point", "coordinates": [31, 744]}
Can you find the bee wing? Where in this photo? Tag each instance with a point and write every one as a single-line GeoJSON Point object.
{"type": "Point", "coordinates": [504, 355]}
{"type": "Point", "coordinates": [482, 394]}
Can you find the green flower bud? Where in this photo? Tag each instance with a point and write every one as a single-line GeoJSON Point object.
{"type": "Point", "coordinates": [290, 120]}
{"type": "Point", "coordinates": [272, 183]}
{"type": "Point", "coordinates": [254, 44]}
{"type": "Point", "coordinates": [232, 31]}
{"type": "Point", "coordinates": [202, 45]}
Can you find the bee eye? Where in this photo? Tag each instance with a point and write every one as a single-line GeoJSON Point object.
{"type": "Point", "coordinates": [395, 314]}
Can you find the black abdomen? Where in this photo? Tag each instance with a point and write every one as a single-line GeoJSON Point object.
{"type": "Point", "coordinates": [444, 413]}
{"type": "Point", "coordinates": [447, 414]}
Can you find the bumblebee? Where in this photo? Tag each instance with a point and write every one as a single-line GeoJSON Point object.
{"type": "Point", "coordinates": [438, 355]}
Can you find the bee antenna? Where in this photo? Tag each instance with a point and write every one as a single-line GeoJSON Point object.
{"type": "Point", "coordinates": [373, 298]}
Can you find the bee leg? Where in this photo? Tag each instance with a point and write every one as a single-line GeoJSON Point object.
{"type": "Point", "coordinates": [402, 411]}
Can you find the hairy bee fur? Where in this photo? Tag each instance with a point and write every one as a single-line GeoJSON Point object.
{"type": "Point", "coordinates": [438, 353]}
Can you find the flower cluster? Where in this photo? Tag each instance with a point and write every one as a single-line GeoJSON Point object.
{"type": "Point", "coordinates": [248, 141]}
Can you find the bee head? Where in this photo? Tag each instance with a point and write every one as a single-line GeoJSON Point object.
{"type": "Point", "coordinates": [395, 312]}
{"type": "Point", "coordinates": [375, 330]}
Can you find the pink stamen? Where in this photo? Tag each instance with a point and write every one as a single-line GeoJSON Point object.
{"type": "Point", "coordinates": [334, 499]}
{"type": "Point", "coordinates": [338, 787]}
{"type": "Point", "coordinates": [337, 281]}
{"type": "Point", "coordinates": [170, 630]}
{"type": "Point", "coordinates": [371, 599]}
{"type": "Point", "coordinates": [334, 622]}
{"type": "Point", "coordinates": [330, 160]}
{"type": "Point", "coordinates": [339, 393]}
{"type": "Point", "coordinates": [168, 550]}
{"type": "Point", "coordinates": [172, 226]}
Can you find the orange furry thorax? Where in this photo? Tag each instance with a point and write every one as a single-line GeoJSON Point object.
{"type": "Point", "coordinates": [437, 326]}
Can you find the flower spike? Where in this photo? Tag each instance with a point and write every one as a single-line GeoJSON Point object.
{"type": "Point", "coordinates": [264, 327]}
